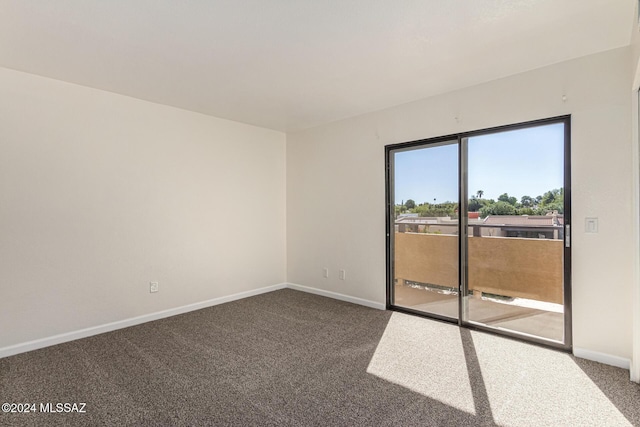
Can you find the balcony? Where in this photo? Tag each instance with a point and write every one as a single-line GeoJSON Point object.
{"type": "Point", "coordinates": [515, 283]}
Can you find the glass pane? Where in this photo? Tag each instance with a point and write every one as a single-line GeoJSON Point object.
{"type": "Point", "coordinates": [425, 240]}
{"type": "Point", "coordinates": [516, 222]}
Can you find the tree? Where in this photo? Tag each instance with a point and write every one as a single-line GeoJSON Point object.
{"type": "Point", "coordinates": [527, 201]}
{"type": "Point", "coordinates": [437, 210]}
{"type": "Point", "coordinates": [525, 211]}
{"type": "Point", "coordinates": [551, 201]}
{"type": "Point", "coordinates": [555, 206]}
{"type": "Point", "coordinates": [474, 204]}
{"type": "Point", "coordinates": [552, 196]}
{"type": "Point", "coordinates": [479, 193]}
{"type": "Point", "coordinates": [410, 204]}
{"type": "Point", "coordinates": [505, 198]}
{"type": "Point", "coordinates": [399, 209]}
{"type": "Point", "coordinates": [498, 208]}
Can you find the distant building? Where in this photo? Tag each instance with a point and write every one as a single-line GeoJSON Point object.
{"type": "Point", "coordinates": [549, 226]}
{"type": "Point", "coordinates": [429, 225]}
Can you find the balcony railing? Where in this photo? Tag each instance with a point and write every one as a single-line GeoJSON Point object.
{"type": "Point", "coordinates": [508, 266]}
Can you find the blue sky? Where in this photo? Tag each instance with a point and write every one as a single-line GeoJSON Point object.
{"type": "Point", "coordinates": [520, 162]}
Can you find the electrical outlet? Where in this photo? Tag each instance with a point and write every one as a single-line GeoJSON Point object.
{"type": "Point", "coordinates": [343, 275]}
{"type": "Point", "coordinates": [325, 272]}
{"type": "Point", "coordinates": [153, 287]}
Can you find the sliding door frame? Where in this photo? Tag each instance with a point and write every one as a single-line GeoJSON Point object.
{"type": "Point", "coordinates": [462, 140]}
{"type": "Point", "coordinates": [390, 212]}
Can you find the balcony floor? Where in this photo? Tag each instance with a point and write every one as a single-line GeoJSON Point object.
{"type": "Point", "coordinates": [533, 321]}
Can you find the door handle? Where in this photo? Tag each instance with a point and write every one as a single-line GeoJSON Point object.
{"type": "Point", "coordinates": [567, 236]}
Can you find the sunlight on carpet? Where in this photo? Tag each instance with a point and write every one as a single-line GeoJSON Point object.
{"type": "Point", "coordinates": [516, 383]}
{"type": "Point", "coordinates": [414, 356]}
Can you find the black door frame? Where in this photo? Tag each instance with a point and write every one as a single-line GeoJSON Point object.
{"type": "Point", "coordinates": [461, 139]}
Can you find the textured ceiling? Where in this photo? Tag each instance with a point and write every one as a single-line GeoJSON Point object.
{"type": "Point", "coordinates": [294, 64]}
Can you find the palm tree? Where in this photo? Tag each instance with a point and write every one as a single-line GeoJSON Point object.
{"type": "Point", "coordinates": [479, 193]}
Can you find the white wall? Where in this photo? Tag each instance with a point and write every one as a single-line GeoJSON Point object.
{"type": "Point", "coordinates": [335, 185]}
{"type": "Point", "coordinates": [101, 193]}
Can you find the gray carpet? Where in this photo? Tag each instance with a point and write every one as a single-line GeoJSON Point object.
{"type": "Point", "coordinates": [289, 358]}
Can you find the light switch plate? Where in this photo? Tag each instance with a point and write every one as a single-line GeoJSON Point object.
{"type": "Point", "coordinates": [591, 225]}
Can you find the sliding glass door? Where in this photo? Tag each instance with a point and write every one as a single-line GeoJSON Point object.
{"type": "Point", "coordinates": [425, 228]}
{"type": "Point", "coordinates": [478, 230]}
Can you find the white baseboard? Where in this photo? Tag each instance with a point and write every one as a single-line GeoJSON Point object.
{"type": "Point", "coordinates": [335, 295]}
{"type": "Point", "coordinates": [95, 330]}
{"type": "Point", "coordinates": [607, 359]}
{"type": "Point", "coordinates": [634, 372]}
{"type": "Point", "coordinates": [595, 356]}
